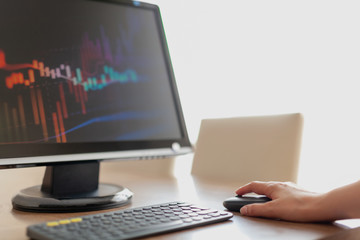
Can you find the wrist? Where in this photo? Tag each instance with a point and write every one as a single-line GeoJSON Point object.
{"type": "Point", "coordinates": [320, 208]}
{"type": "Point", "coordinates": [330, 207]}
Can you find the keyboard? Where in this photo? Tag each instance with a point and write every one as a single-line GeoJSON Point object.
{"type": "Point", "coordinates": [129, 223]}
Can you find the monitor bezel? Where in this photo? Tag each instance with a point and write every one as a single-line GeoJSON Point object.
{"type": "Point", "coordinates": [22, 155]}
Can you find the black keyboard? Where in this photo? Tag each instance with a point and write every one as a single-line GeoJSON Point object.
{"type": "Point", "coordinates": [129, 223]}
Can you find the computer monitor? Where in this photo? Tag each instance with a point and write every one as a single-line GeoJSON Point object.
{"type": "Point", "coordinates": [83, 81]}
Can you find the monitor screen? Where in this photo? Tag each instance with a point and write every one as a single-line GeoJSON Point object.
{"type": "Point", "coordinates": [85, 77]}
{"type": "Point", "coordinates": [83, 81]}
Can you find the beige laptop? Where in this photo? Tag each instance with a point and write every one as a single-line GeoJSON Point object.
{"type": "Point", "coordinates": [249, 148]}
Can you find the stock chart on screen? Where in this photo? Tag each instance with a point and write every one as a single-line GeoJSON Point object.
{"type": "Point", "coordinates": [66, 78]}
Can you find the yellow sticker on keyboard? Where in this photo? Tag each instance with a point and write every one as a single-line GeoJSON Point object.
{"type": "Point", "coordinates": [52, 224]}
{"type": "Point", "coordinates": [76, 220]}
{"type": "Point", "coordinates": [66, 221]}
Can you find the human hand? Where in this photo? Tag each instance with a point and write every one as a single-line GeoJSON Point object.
{"type": "Point", "coordinates": [289, 202]}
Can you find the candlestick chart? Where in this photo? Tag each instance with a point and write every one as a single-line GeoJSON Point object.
{"type": "Point", "coordinates": [40, 99]}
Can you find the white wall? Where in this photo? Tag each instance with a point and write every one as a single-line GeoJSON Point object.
{"type": "Point", "coordinates": [237, 58]}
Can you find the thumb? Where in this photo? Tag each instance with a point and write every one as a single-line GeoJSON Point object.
{"type": "Point", "coordinates": [256, 210]}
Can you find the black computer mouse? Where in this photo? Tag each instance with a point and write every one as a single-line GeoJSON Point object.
{"type": "Point", "coordinates": [235, 203]}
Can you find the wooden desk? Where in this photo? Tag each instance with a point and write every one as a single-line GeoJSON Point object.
{"type": "Point", "coordinates": [153, 188]}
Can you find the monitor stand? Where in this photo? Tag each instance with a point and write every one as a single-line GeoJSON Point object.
{"type": "Point", "coordinates": [71, 187]}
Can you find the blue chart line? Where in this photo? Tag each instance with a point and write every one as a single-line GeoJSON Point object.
{"type": "Point", "coordinates": [109, 118]}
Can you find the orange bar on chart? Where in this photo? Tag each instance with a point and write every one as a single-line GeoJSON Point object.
{"type": "Point", "coordinates": [41, 68]}
{"type": "Point", "coordinates": [2, 59]}
{"type": "Point", "coordinates": [31, 76]}
{"type": "Point", "coordinates": [35, 64]}
{"type": "Point", "coordinates": [15, 78]}
{"type": "Point", "coordinates": [61, 122]}
{"type": "Point", "coordinates": [42, 115]}
{"type": "Point", "coordinates": [34, 106]}
{"type": "Point", "coordinates": [21, 78]}
{"type": "Point", "coordinates": [63, 102]}
{"type": "Point", "coordinates": [9, 82]}
{"type": "Point", "coordinates": [56, 127]}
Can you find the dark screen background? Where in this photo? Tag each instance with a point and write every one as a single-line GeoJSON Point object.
{"type": "Point", "coordinates": [81, 71]}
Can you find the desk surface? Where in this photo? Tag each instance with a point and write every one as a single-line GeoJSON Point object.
{"type": "Point", "coordinates": [153, 188]}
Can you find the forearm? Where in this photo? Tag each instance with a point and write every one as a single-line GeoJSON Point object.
{"type": "Point", "coordinates": [343, 202]}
